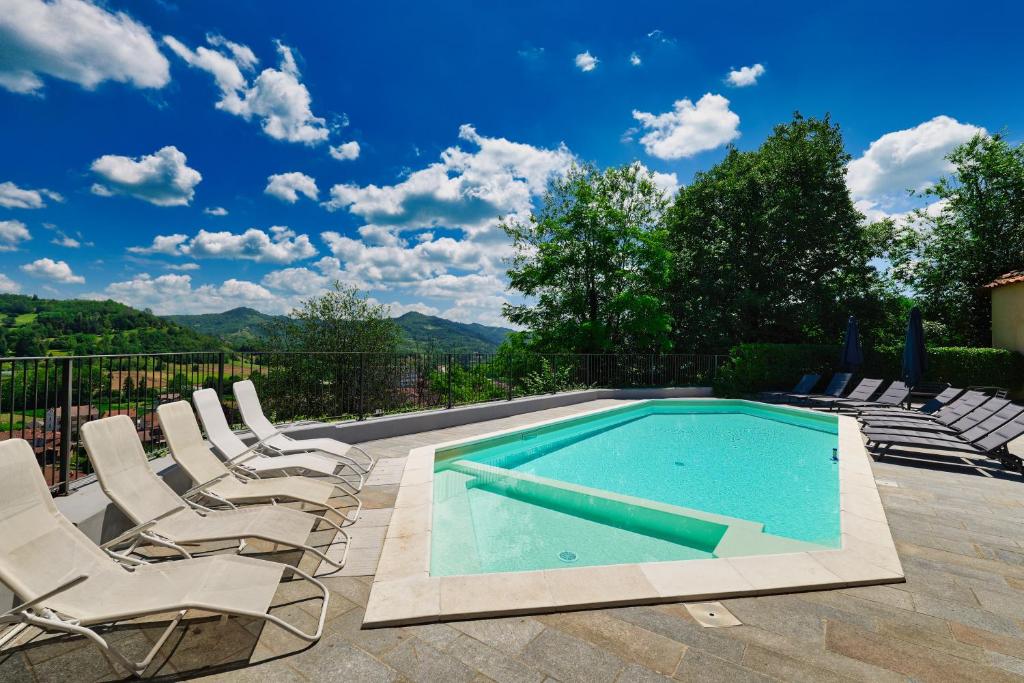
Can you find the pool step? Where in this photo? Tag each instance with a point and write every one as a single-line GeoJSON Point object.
{"type": "Point", "coordinates": [718, 534]}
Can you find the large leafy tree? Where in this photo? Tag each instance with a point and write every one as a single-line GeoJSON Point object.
{"type": "Point", "coordinates": [768, 247]}
{"type": "Point", "coordinates": [341, 319]}
{"type": "Point", "coordinates": [593, 261]}
{"type": "Point", "coordinates": [973, 232]}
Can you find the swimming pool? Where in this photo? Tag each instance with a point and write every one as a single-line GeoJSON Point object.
{"type": "Point", "coordinates": [653, 481]}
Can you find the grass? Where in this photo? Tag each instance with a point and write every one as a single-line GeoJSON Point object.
{"type": "Point", "coordinates": [25, 319]}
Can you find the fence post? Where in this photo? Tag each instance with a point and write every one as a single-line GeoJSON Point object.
{"type": "Point", "coordinates": [509, 376]}
{"type": "Point", "coordinates": [451, 360]}
{"type": "Point", "coordinates": [362, 386]}
{"type": "Point", "coordinates": [220, 375]}
{"type": "Point", "coordinates": [64, 465]}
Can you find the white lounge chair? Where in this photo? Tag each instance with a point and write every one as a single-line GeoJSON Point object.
{"type": "Point", "coordinates": [116, 454]}
{"type": "Point", "coordinates": [238, 487]}
{"type": "Point", "coordinates": [253, 417]}
{"type": "Point", "coordinates": [238, 454]}
{"type": "Point", "coordinates": [68, 584]}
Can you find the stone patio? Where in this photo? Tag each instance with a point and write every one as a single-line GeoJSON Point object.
{"type": "Point", "coordinates": [959, 530]}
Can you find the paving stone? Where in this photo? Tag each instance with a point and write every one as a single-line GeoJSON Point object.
{"type": "Point", "coordinates": [570, 659]}
{"type": "Point", "coordinates": [420, 661]}
{"type": "Point", "coordinates": [333, 659]}
{"type": "Point", "coordinates": [918, 662]}
{"type": "Point", "coordinates": [634, 673]}
{"type": "Point", "coordinates": [629, 641]}
{"type": "Point", "coordinates": [701, 666]}
{"type": "Point", "coordinates": [785, 668]}
{"type": "Point", "coordinates": [886, 595]}
{"type": "Point", "coordinates": [14, 668]}
{"type": "Point", "coordinates": [510, 635]}
{"type": "Point", "coordinates": [492, 663]}
{"type": "Point", "coordinates": [684, 630]}
{"type": "Point", "coordinates": [376, 641]}
{"type": "Point", "coordinates": [993, 642]}
{"type": "Point", "coordinates": [967, 615]}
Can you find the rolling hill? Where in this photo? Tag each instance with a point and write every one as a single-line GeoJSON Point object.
{"type": "Point", "coordinates": [246, 327]}
{"type": "Point", "coordinates": [30, 326]}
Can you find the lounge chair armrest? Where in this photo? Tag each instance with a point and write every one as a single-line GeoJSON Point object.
{"type": "Point", "coordinates": [28, 604]}
{"type": "Point", "coordinates": [205, 485]}
{"type": "Point", "coordinates": [138, 529]}
{"type": "Point", "coordinates": [252, 451]}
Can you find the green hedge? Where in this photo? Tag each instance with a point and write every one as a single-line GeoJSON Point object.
{"type": "Point", "coordinates": [759, 367]}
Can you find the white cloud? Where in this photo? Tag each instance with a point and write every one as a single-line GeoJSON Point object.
{"type": "Point", "coordinates": [634, 59]}
{"type": "Point", "coordinates": [346, 151]}
{"type": "Point", "coordinates": [281, 245]}
{"type": "Point", "coordinates": [162, 178]}
{"type": "Point", "coordinates": [182, 267]}
{"type": "Point", "coordinates": [172, 293]}
{"type": "Point", "coordinates": [276, 98]}
{"type": "Point", "coordinates": [169, 245]}
{"type": "Point", "coordinates": [689, 128]}
{"type": "Point", "coordinates": [13, 233]}
{"type": "Point", "coordinates": [14, 197]}
{"type": "Point", "coordinates": [586, 61]}
{"type": "Point", "coordinates": [913, 158]}
{"type": "Point", "coordinates": [288, 186]}
{"type": "Point", "coordinates": [215, 211]}
{"type": "Point", "coordinates": [464, 189]}
{"type": "Point", "coordinates": [55, 271]}
{"type": "Point", "coordinates": [8, 286]}
{"type": "Point", "coordinates": [746, 75]}
{"type": "Point", "coordinates": [62, 240]}
{"type": "Point", "coordinates": [75, 41]}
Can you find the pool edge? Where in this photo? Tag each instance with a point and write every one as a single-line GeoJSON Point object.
{"type": "Point", "coordinates": [403, 592]}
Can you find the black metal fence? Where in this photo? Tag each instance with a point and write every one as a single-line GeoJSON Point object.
{"type": "Point", "coordinates": [46, 400]}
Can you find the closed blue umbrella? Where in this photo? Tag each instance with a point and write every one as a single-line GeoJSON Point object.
{"type": "Point", "coordinates": [915, 360]}
{"type": "Point", "coordinates": [852, 357]}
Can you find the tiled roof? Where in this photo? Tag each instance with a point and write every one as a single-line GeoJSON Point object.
{"type": "Point", "coordinates": [1006, 279]}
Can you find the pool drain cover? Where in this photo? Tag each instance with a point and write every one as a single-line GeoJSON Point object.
{"type": "Point", "coordinates": [567, 556]}
{"type": "Point", "coordinates": [711, 614]}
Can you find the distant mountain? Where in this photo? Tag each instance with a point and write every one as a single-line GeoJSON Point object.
{"type": "Point", "coordinates": [241, 328]}
{"type": "Point", "coordinates": [30, 326]}
{"type": "Point", "coordinates": [245, 327]}
{"type": "Point", "coordinates": [430, 333]}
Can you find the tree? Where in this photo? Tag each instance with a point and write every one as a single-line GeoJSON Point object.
{"type": "Point", "coordinates": [593, 259]}
{"type": "Point", "coordinates": [767, 246]}
{"type": "Point", "coordinates": [341, 319]}
{"type": "Point", "coordinates": [127, 388]}
{"type": "Point", "coordinates": [973, 233]}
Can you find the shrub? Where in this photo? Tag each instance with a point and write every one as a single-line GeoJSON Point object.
{"type": "Point", "coordinates": [759, 367]}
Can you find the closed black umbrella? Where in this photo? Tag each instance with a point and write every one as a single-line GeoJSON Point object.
{"type": "Point", "coordinates": [915, 360]}
{"type": "Point", "coordinates": [852, 357]}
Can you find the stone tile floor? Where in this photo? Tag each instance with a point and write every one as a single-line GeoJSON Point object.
{"type": "Point", "coordinates": [958, 526]}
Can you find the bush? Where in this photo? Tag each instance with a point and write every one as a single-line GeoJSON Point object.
{"type": "Point", "coordinates": [760, 367]}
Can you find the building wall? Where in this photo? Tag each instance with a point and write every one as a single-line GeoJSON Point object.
{"type": "Point", "coordinates": [1008, 317]}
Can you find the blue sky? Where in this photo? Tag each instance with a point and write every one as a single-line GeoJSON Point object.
{"type": "Point", "coordinates": [377, 142]}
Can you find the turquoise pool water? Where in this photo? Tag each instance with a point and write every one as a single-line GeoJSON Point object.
{"type": "Point", "coordinates": [515, 502]}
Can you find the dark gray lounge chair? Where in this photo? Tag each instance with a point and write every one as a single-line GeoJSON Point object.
{"type": "Point", "coordinates": [971, 427]}
{"type": "Point", "coordinates": [929, 407]}
{"type": "Point", "coordinates": [804, 386]}
{"type": "Point", "coordinates": [940, 421]}
{"type": "Point", "coordinates": [894, 395]}
{"type": "Point", "coordinates": [992, 444]}
{"type": "Point", "coordinates": [864, 390]}
{"type": "Point", "coordinates": [836, 387]}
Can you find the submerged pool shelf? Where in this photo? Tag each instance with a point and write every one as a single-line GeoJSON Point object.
{"type": "Point", "coordinates": [603, 545]}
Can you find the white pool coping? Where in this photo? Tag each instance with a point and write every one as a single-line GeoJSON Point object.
{"type": "Point", "coordinates": [404, 592]}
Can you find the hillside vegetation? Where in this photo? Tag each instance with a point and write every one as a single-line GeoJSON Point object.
{"type": "Point", "coordinates": [245, 328]}
{"type": "Point", "coordinates": [30, 326]}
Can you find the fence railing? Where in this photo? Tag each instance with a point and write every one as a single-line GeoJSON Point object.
{"type": "Point", "coordinates": [46, 400]}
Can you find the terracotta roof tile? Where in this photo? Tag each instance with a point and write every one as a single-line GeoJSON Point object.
{"type": "Point", "coordinates": [1006, 279]}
